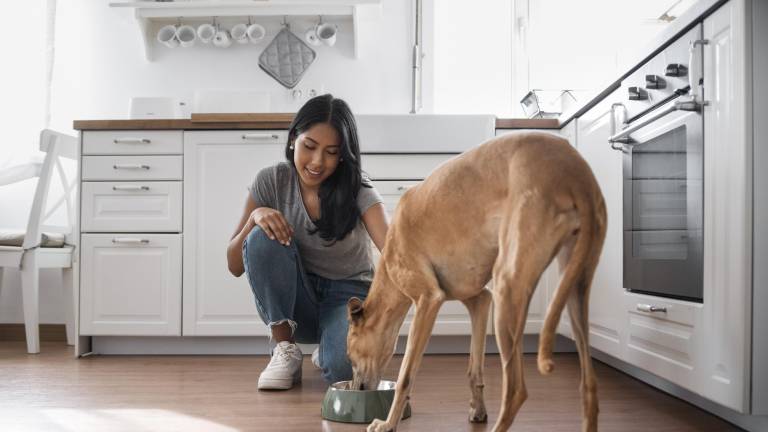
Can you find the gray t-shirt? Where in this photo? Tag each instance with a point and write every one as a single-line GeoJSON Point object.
{"type": "Point", "coordinates": [277, 187]}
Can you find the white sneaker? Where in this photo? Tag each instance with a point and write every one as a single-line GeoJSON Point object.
{"type": "Point", "coordinates": [283, 370]}
{"type": "Point", "coordinates": [316, 357]}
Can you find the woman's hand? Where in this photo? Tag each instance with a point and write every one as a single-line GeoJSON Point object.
{"type": "Point", "coordinates": [273, 223]}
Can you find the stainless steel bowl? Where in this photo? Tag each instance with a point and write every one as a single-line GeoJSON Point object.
{"type": "Point", "coordinates": [359, 406]}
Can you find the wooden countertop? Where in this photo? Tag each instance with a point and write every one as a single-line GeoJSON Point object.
{"type": "Point", "coordinates": [258, 121]}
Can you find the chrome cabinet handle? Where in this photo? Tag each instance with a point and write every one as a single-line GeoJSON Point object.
{"type": "Point", "coordinates": [260, 136]}
{"type": "Point", "coordinates": [613, 122]}
{"type": "Point", "coordinates": [130, 188]}
{"type": "Point", "coordinates": [403, 188]}
{"type": "Point", "coordinates": [694, 67]}
{"type": "Point", "coordinates": [651, 308]}
{"type": "Point", "coordinates": [688, 104]}
{"type": "Point", "coordinates": [130, 240]}
{"type": "Point", "coordinates": [131, 141]}
{"type": "Point", "coordinates": [130, 166]}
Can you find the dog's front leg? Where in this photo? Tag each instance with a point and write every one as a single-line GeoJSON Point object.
{"type": "Point", "coordinates": [421, 328]}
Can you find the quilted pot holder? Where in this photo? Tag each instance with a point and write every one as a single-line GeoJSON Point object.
{"type": "Point", "coordinates": [286, 58]}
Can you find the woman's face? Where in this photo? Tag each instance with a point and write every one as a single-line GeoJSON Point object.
{"type": "Point", "coordinates": [316, 154]}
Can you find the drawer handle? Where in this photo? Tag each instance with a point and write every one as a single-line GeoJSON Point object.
{"type": "Point", "coordinates": [131, 141]}
{"type": "Point", "coordinates": [403, 188]}
{"type": "Point", "coordinates": [130, 188]}
{"type": "Point", "coordinates": [260, 136]}
{"type": "Point", "coordinates": [651, 308]}
{"type": "Point", "coordinates": [130, 166]}
{"type": "Point", "coordinates": [130, 240]}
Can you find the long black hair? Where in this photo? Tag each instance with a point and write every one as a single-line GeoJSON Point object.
{"type": "Point", "coordinates": [339, 213]}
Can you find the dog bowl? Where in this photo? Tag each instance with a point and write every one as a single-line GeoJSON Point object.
{"type": "Point", "coordinates": [359, 406]}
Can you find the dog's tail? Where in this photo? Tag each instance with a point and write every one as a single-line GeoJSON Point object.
{"type": "Point", "coordinates": [577, 275]}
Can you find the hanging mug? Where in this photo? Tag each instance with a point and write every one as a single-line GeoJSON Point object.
{"type": "Point", "coordinates": [327, 33]}
{"type": "Point", "coordinates": [167, 36]}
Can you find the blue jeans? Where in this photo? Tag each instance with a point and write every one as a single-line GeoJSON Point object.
{"type": "Point", "coordinates": [314, 307]}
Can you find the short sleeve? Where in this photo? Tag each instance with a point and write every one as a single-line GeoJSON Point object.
{"type": "Point", "coordinates": [367, 196]}
{"type": "Point", "coordinates": [263, 189]}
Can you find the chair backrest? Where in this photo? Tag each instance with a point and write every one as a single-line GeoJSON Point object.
{"type": "Point", "coordinates": [56, 145]}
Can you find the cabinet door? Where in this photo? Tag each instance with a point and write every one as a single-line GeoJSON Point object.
{"type": "Point", "coordinates": [727, 208]}
{"type": "Point", "coordinates": [130, 285]}
{"type": "Point", "coordinates": [605, 311]}
{"type": "Point", "coordinates": [218, 167]}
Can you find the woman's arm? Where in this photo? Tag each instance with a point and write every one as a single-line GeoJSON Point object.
{"type": "Point", "coordinates": [235, 248]}
{"type": "Point", "coordinates": [270, 220]}
{"type": "Point", "coordinates": [376, 223]}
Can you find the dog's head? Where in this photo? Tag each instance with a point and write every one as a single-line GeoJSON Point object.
{"type": "Point", "coordinates": [369, 347]}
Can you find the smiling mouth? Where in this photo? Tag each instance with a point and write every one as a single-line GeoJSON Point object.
{"type": "Point", "coordinates": [313, 173]}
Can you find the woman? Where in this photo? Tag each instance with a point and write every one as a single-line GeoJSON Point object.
{"type": "Point", "coordinates": [304, 242]}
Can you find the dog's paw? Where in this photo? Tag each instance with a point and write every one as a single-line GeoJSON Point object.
{"type": "Point", "coordinates": [379, 426]}
{"type": "Point", "coordinates": [478, 415]}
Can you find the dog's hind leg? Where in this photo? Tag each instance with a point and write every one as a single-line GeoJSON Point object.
{"type": "Point", "coordinates": [427, 307]}
{"type": "Point", "coordinates": [478, 307]}
{"type": "Point", "coordinates": [578, 309]}
{"type": "Point", "coordinates": [528, 242]}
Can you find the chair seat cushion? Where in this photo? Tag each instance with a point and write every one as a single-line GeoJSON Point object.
{"type": "Point", "coordinates": [9, 237]}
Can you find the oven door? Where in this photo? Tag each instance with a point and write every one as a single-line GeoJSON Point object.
{"type": "Point", "coordinates": [663, 204]}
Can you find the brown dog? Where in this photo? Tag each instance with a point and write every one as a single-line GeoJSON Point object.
{"type": "Point", "coordinates": [504, 209]}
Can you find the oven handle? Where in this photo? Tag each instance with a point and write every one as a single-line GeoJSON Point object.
{"type": "Point", "coordinates": [679, 105]}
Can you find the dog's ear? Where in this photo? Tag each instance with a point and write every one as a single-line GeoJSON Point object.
{"type": "Point", "coordinates": [355, 308]}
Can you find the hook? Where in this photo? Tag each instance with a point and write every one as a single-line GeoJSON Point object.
{"type": "Point", "coordinates": [178, 21]}
{"type": "Point", "coordinates": [285, 21]}
{"type": "Point", "coordinates": [320, 17]}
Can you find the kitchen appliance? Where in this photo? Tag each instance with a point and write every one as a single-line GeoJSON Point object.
{"type": "Point", "coordinates": [662, 142]}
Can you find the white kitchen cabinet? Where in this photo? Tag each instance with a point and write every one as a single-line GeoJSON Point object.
{"type": "Point", "coordinates": [218, 167]}
{"type": "Point", "coordinates": [606, 317]}
{"type": "Point", "coordinates": [130, 284]}
{"type": "Point", "coordinates": [726, 321]}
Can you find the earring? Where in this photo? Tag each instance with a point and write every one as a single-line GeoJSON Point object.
{"type": "Point", "coordinates": [290, 146]}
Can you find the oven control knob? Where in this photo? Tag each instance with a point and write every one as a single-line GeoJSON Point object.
{"type": "Point", "coordinates": [676, 70]}
{"type": "Point", "coordinates": [654, 82]}
{"type": "Point", "coordinates": [637, 93]}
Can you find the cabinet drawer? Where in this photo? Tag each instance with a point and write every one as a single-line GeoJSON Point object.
{"type": "Point", "coordinates": [391, 191]}
{"type": "Point", "coordinates": [132, 142]}
{"type": "Point", "coordinates": [131, 207]}
{"type": "Point", "coordinates": [663, 342]}
{"type": "Point", "coordinates": [133, 167]}
{"type": "Point", "coordinates": [402, 166]}
{"type": "Point", "coordinates": [130, 284]}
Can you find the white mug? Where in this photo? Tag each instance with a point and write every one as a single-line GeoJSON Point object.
{"type": "Point", "coordinates": [167, 36]}
{"type": "Point", "coordinates": [327, 33]}
{"type": "Point", "coordinates": [206, 32]}
{"type": "Point", "coordinates": [256, 33]}
{"type": "Point", "coordinates": [222, 39]}
{"type": "Point", "coordinates": [311, 37]}
{"type": "Point", "coordinates": [240, 33]}
{"type": "Point", "coordinates": [186, 35]}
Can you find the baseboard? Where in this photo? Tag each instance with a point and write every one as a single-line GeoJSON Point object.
{"type": "Point", "coordinates": [259, 345]}
{"type": "Point", "coordinates": [48, 332]}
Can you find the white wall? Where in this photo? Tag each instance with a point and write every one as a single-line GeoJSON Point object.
{"type": "Point", "coordinates": [100, 64]}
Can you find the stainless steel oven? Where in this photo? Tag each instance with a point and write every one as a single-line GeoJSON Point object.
{"type": "Point", "coordinates": [662, 141]}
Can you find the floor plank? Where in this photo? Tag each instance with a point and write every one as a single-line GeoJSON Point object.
{"type": "Point", "coordinates": [52, 391]}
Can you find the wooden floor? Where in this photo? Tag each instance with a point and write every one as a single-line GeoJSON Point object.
{"type": "Point", "coordinates": [52, 391]}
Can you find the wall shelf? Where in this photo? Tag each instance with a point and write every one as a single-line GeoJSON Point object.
{"type": "Point", "coordinates": [148, 11]}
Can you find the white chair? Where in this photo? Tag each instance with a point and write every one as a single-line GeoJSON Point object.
{"type": "Point", "coordinates": [43, 246]}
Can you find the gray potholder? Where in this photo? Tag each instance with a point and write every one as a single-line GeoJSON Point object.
{"type": "Point", "coordinates": [286, 58]}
